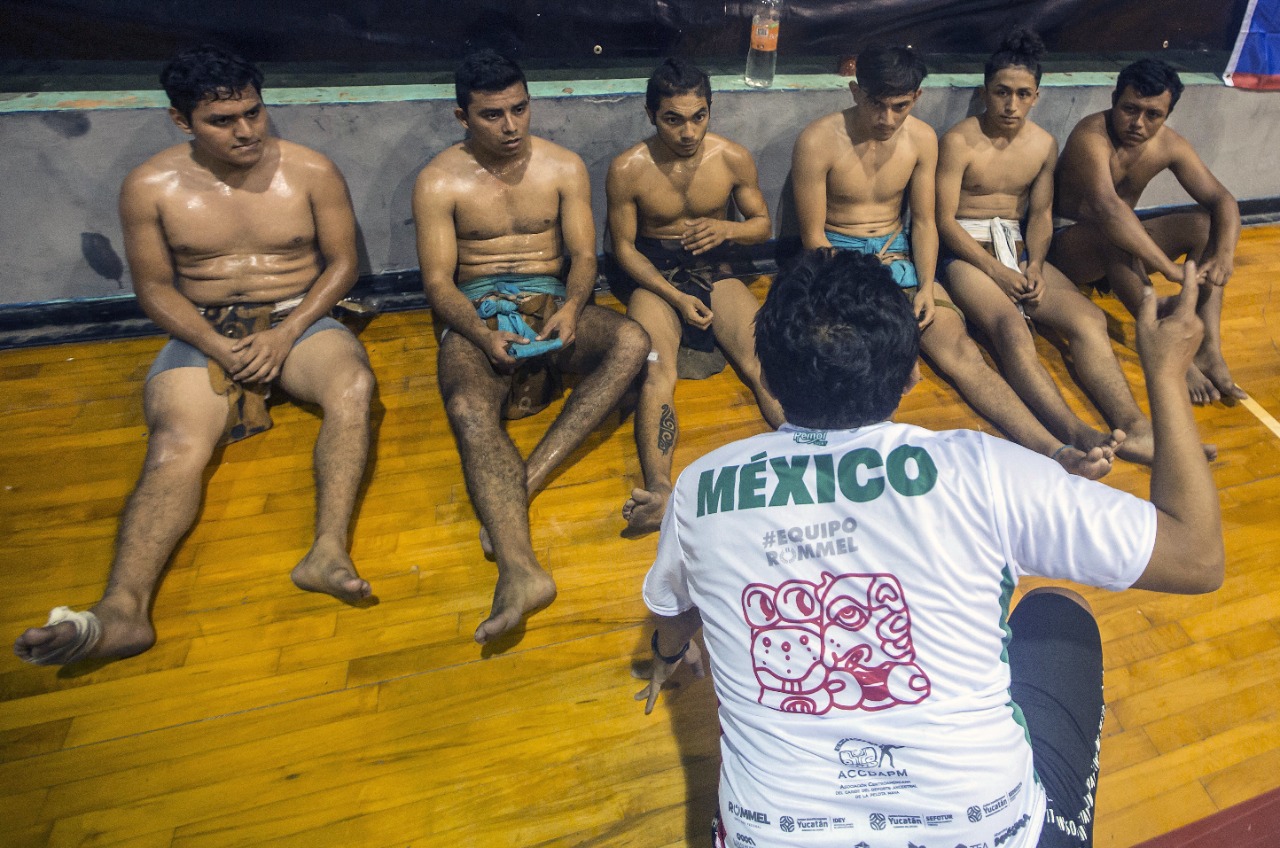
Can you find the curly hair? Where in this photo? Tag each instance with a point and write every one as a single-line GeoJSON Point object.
{"type": "Point", "coordinates": [206, 72]}
{"type": "Point", "coordinates": [837, 340]}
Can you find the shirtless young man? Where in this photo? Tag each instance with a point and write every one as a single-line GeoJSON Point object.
{"type": "Point", "coordinates": [668, 201]}
{"type": "Point", "coordinates": [1109, 159]}
{"type": "Point", "coordinates": [238, 218]}
{"type": "Point", "coordinates": [851, 170]}
{"type": "Point", "coordinates": [501, 209]}
{"type": "Point", "coordinates": [994, 171]}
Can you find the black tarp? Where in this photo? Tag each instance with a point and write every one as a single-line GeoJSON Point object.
{"type": "Point", "coordinates": [567, 33]}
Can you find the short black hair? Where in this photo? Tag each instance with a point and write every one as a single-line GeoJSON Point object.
{"type": "Point", "coordinates": [672, 77]}
{"type": "Point", "coordinates": [206, 72]}
{"type": "Point", "coordinates": [890, 71]}
{"type": "Point", "coordinates": [1021, 48]}
{"type": "Point", "coordinates": [1149, 78]}
{"type": "Point", "coordinates": [485, 70]}
{"type": "Point", "coordinates": [836, 340]}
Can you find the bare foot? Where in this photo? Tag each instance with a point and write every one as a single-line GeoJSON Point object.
{"type": "Point", "coordinates": [1201, 387]}
{"type": "Point", "coordinates": [519, 592]}
{"type": "Point", "coordinates": [126, 632]}
{"type": "Point", "coordinates": [328, 569]}
{"type": "Point", "coordinates": [1214, 368]}
{"type": "Point", "coordinates": [1087, 438]}
{"type": "Point", "coordinates": [1092, 464]}
{"type": "Point", "coordinates": [644, 509]}
{"type": "Point", "coordinates": [1139, 444]}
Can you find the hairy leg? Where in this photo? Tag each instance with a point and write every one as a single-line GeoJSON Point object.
{"type": "Point", "coordinates": [656, 426]}
{"type": "Point", "coordinates": [1084, 326]}
{"type": "Point", "coordinates": [1187, 233]}
{"type": "Point", "coordinates": [956, 355]}
{"type": "Point", "coordinates": [608, 351]}
{"type": "Point", "coordinates": [185, 420]}
{"type": "Point", "coordinates": [496, 482]}
{"type": "Point", "coordinates": [735, 307]}
{"type": "Point", "coordinates": [987, 306]}
{"type": "Point", "coordinates": [330, 369]}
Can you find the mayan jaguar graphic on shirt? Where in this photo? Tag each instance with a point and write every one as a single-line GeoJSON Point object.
{"type": "Point", "coordinates": [844, 643]}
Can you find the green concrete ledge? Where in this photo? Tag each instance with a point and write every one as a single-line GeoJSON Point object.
{"type": "Point", "coordinates": [72, 101]}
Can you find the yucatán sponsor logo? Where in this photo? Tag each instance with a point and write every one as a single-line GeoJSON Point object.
{"type": "Point", "coordinates": [741, 812]}
{"type": "Point", "coordinates": [857, 476]}
{"type": "Point", "coordinates": [992, 807]}
{"type": "Point", "coordinates": [787, 824]}
{"type": "Point", "coordinates": [813, 824]}
{"type": "Point", "coordinates": [974, 814]}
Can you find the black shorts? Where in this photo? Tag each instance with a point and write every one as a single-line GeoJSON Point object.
{"type": "Point", "coordinates": [1055, 664]}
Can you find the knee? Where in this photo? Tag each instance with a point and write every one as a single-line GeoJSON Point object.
{"type": "Point", "coordinates": [469, 413]}
{"type": "Point", "coordinates": [660, 375]}
{"type": "Point", "coordinates": [631, 343]}
{"type": "Point", "coordinates": [1013, 337]}
{"type": "Point", "coordinates": [172, 449]}
{"type": "Point", "coordinates": [963, 357]}
{"type": "Point", "coordinates": [1089, 325]}
{"type": "Point", "coordinates": [350, 392]}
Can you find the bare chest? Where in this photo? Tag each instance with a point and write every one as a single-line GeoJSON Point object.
{"type": "Point", "coordinates": [1131, 174]}
{"type": "Point", "coordinates": [206, 222]}
{"type": "Point", "coordinates": [1000, 172]}
{"type": "Point", "coordinates": [496, 209]}
{"type": "Point", "coordinates": [874, 175]}
{"type": "Point", "coordinates": [666, 197]}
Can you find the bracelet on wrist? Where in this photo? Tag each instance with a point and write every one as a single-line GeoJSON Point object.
{"type": "Point", "coordinates": [653, 643]}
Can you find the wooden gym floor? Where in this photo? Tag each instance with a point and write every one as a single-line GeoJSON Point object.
{"type": "Point", "coordinates": [268, 716]}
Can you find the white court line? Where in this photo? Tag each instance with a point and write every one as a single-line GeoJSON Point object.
{"type": "Point", "coordinates": [1262, 415]}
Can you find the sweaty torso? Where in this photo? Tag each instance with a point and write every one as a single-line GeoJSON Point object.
{"type": "Point", "coordinates": [1130, 169]}
{"type": "Point", "coordinates": [249, 239]}
{"type": "Point", "coordinates": [867, 179]}
{"type": "Point", "coordinates": [669, 193]}
{"type": "Point", "coordinates": [509, 222]}
{"type": "Point", "coordinates": [999, 173]}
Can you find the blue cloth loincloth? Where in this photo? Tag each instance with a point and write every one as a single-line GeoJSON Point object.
{"type": "Point", "coordinates": [893, 245]}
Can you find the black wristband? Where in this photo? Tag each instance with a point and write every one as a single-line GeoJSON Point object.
{"type": "Point", "coordinates": [653, 643]}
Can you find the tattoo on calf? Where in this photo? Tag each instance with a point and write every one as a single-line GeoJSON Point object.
{"type": "Point", "coordinates": [666, 428]}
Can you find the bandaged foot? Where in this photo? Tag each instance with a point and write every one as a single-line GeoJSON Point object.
{"type": "Point", "coordinates": [55, 645]}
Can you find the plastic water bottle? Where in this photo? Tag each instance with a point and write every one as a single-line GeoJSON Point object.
{"type": "Point", "coordinates": [762, 58]}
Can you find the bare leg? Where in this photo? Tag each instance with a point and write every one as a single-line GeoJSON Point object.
{"type": "Point", "coordinates": [1084, 326]}
{"type": "Point", "coordinates": [330, 369]}
{"type": "Point", "coordinates": [495, 476]}
{"type": "Point", "coordinates": [735, 307]}
{"type": "Point", "coordinates": [609, 351]}
{"type": "Point", "coordinates": [656, 426]}
{"type": "Point", "coordinates": [1179, 234]}
{"type": "Point", "coordinates": [955, 354]}
{"type": "Point", "coordinates": [185, 419]}
{"type": "Point", "coordinates": [985, 304]}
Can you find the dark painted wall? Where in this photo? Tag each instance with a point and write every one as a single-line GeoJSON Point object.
{"type": "Point", "coordinates": [566, 33]}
